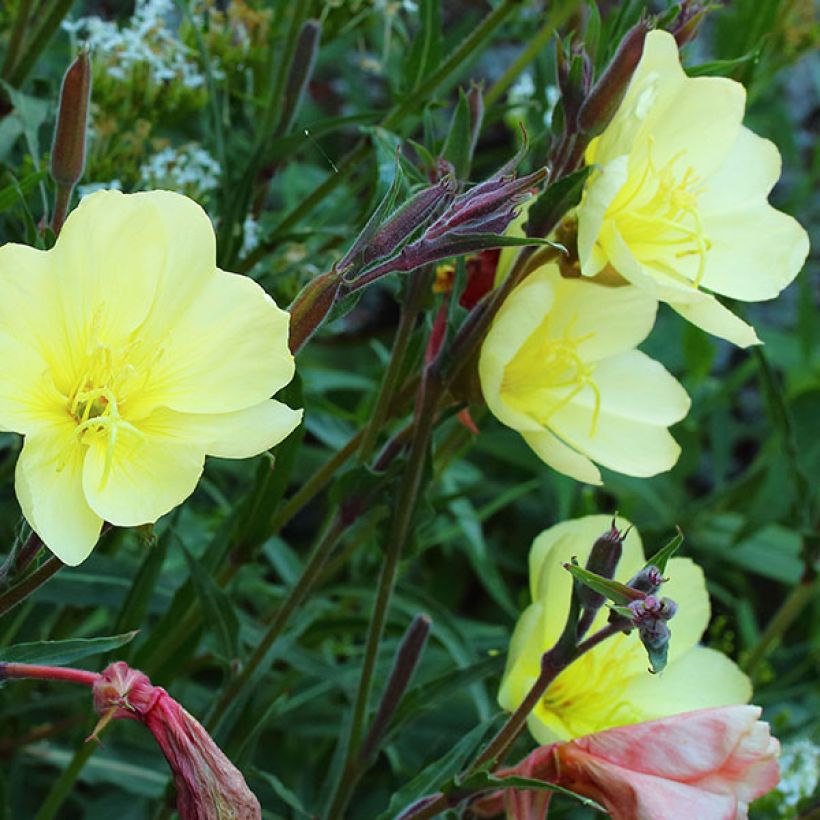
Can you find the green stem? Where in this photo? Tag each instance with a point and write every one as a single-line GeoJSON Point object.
{"type": "Point", "coordinates": [19, 592]}
{"type": "Point", "coordinates": [417, 288]}
{"type": "Point", "coordinates": [16, 38]}
{"type": "Point", "coordinates": [401, 526]}
{"type": "Point", "coordinates": [783, 619]}
{"type": "Point", "coordinates": [318, 557]}
{"type": "Point", "coordinates": [39, 40]}
{"type": "Point", "coordinates": [62, 196]}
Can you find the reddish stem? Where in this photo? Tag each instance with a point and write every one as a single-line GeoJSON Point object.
{"type": "Point", "coordinates": [60, 673]}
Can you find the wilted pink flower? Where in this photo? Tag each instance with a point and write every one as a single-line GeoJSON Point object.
{"type": "Point", "coordinates": [710, 763]}
{"type": "Point", "coordinates": [209, 786]}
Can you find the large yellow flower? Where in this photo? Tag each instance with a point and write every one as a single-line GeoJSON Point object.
{"type": "Point", "coordinates": [610, 685]}
{"type": "Point", "coordinates": [559, 366]}
{"type": "Point", "coordinates": [678, 201]}
{"type": "Point", "coordinates": [127, 357]}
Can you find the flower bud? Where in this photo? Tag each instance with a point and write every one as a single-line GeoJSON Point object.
{"type": "Point", "coordinates": [648, 580]}
{"type": "Point", "coordinates": [68, 149]}
{"type": "Point", "coordinates": [209, 786]}
{"type": "Point", "coordinates": [603, 560]}
{"type": "Point", "coordinates": [311, 306]}
{"type": "Point", "coordinates": [609, 90]}
{"type": "Point", "coordinates": [573, 70]}
{"type": "Point", "coordinates": [686, 24]}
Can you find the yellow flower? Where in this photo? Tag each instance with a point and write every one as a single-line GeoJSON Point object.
{"type": "Point", "coordinates": [610, 685]}
{"type": "Point", "coordinates": [127, 357]}
{"type": "Point", "coordinates": [678, 201]}
{"type": "Point", "coordinates": [559, 366]}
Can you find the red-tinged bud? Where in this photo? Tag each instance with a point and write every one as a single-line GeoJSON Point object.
{"type": "Point", "coordinates": [607, 93]}
{"type": "Point", "coordinates": [209, 786]}
{"type": "Point", "coordinates": [648, 580]}
{"type": "Point", "coordinates": [573, 70]}
{"type": "Point", "coordinates": [603, 560]}
{"type": "Point", "coordinates": [686, 24]}
{"type": "Point", "coordinates": [68, 149]}
{"type": "Point", "coordinates": [311, 306]}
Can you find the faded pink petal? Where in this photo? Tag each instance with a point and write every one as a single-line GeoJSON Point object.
{"type": "Point", "coordinates": [709, 763]}
{"type": "Point", "coordinates": [209, 786]}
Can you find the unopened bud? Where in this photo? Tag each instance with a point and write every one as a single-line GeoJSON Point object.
{"type": "Point", "coordinates": [686, 24]}
{"type": "Point", "coordinates": [648, 580]}
{"type": "Point", "coordinates": [209, 786]}
{"type": "Point", "coordinates": [607, 93]}
{"type": "Point", "coordinates": [311, 306]}
{"type": "Point", "coordinates": [603, 560]}
{"type": "Point", "coordinates": [650, 615]}
{"type": "Point", "coordinates": [573, 71]}
{"type": "Point", "coordinates": [68, 148]}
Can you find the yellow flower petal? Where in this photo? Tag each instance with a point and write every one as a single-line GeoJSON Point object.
{"type": "Point", "coordinates": [687, 588]}
{"type": "Point", "coordinates": [241, 434]}
{"type": "Point", "coordinates": [520, 315]}
{"type": "Point", "coordinates": [552, 451]}
{"type": "Point", "coordinates": [226, 352]}
{"type": "Point", "coordinates": [699, 679]}
{"type": "Point", "coordinates": [710, 315]}
{"type": "Point", "coordinates": [141, 478]}
{"type": "Point", "coordinates": [120, 255]}
{"type": "Point", "coordinates": [28, 398]}
{"type": "Point", "coordinates": [49, 486]}
{"type": "Point", "coordinates": [638, 399]}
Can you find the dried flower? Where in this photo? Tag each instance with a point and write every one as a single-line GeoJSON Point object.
{"type": "Point", "coordinates": [209, 786]}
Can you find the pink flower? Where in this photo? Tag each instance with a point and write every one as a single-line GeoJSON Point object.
{"type": "Point", "coordinates": [710, 763]}
{"type": "Point", "coordinates": [209, 786]}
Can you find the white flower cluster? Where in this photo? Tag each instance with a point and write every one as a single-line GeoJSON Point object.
{"type": "Point", "coordinates": [147, 39]}
{"type": "Point", "coordinates": [189, 169]}
{"type": "Point", "coordinates": [800, 774]}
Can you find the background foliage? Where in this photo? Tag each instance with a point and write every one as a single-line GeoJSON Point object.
{"type": "Point", "coordinates": [288, 189]}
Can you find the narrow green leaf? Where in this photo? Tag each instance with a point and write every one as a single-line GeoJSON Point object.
{"type": "Point", "coordinates": [660, 558]}
{"type": "Point", "coordinates": [283, 792]}
{"type": "Point", "coordinates": [216, 607]}
{"type": "Point", "coordinates": [425, 54]}
{"type": "Point", "coordinates": [59, 653]}
{"type": "Point", "coordinates": [482, 781]}
{"type": "Point", "coordinates": [551, 206]}
{"type": "Point", "coordinates": [12, 193]}
{"type": "Point", "coordinates": [614, 590]}
{"type": "Point", "coordinates": [456, 148]}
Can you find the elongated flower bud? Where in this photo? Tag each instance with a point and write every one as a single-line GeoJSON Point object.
{"type": "Point", "coordinates": [603, 561]}
{"type": "Point", "coordinates": [209, 786]}
{"type": "Point", "coordinates": [68, 149]}
{"type": "Point", "coordinates": [609, 90]}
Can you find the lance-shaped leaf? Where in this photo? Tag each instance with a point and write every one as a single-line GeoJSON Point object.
{"type": "Point", "coordinates": [615, 591]}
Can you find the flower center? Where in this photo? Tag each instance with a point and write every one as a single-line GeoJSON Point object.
{"type": "Point", "coordinates": [97, 401]}
{"type": "Point", "coordinates": [548, 372]}
{"type": "Point", "coordinates": [659, 212]}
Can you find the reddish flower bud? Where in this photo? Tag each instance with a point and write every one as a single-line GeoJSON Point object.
{"type": "Point", "coordinates": [68, 149]}
{"type": "Point", "coordinates": [209, 786]}
{"type": "Point", "coordinates": [603, 560]}
{"type": "Point", "coordinates": [609, 90]}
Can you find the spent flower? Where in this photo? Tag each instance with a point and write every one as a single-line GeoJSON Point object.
{"type": "Point", "coordinates": [709, 763]}
{"type": "Point", "coordinates": [209, 786]}
{"type": "Point", "coordinates": [129, 357]}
